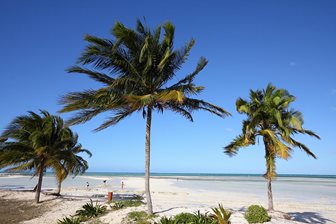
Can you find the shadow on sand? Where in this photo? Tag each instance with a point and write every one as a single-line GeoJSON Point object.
{"type": "Point", "coordinates": [242, 209]}
{"type": "Point", "coordinates": [72, 198]}
{"type": "Point", "coordinates": [166, 210]}
{"type": "Point", "coordinates": [309, 217]}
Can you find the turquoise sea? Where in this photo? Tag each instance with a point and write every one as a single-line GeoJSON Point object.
{"type": "Point", "coordinates": [204, 180]}
{"type": "Point", "coordinates": [135, 174]}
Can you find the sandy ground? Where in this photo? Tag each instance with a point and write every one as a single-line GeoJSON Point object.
{"type": "Point", "coordinates": [15, 211]}
{"type": "Point", "coordinates": [168, 200]}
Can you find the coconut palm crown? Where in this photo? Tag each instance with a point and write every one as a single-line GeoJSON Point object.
{"type": "Point", "coordinates": [136, 70]}
{"type": "Point", "coordinates": [269, 117]}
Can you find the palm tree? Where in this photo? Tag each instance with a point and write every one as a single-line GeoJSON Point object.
{"type": "Point", "coordinates": [135, 69]}
{"type": "Point", "coordinates": [269, 117]}
{"type": "Point", "coordinates": [36, 143]}
{"type": "Point", "coordinates": [69, 162]}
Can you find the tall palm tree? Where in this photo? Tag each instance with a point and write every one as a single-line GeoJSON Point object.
{"type": "Point", "coordinates": [269, 117]}
{"type": "Point", "coordinates": [136, 69]}
{"type": "Point", "coordinates": [35, 143]}
{"type": "Point", "coordinates": [69, 162]}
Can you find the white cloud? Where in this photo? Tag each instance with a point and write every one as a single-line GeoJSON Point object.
{"type": "Point", "coordinates": [229, 129]}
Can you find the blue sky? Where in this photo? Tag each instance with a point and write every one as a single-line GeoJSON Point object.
{"type": "Point", "coordinates": [290, 43]}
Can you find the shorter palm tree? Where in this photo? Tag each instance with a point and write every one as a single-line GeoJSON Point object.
{"type": "Point", "coordinates": [69, 163]}
{"type": "Point", "coordinates": [36, 143]}
{"type": "Point", "coordinates": [269, 117]}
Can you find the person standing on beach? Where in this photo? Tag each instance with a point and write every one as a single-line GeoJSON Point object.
{"type": "Point", "coordinates": [122, 185]}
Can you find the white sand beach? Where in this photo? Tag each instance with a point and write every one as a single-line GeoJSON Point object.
{"type": "Point", "coordinates": [184, 194]}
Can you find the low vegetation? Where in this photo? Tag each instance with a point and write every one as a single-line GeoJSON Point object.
{"type": "Point", "coordinates": [71, 220]}
{"type": "Point", "coordinates": [165, 220]}
{"type": "Point", "coordinates": [256, 214]}
{"type": "Point", "coordinates": [184, 217]}
{"type": "Point", "coordinates": [188, 218]}
{"type": "Point", "coordinates": [220, 216]}
{"type": "Point", "coordinates": [139, 217]}
{"type": "Point", "coordinates": [88, 211]}
{"type": "Point", "coordinates": [127, 203]}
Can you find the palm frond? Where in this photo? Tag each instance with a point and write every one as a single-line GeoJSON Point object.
{"type": "Point", "coordinates": [237, 143]}
{"type": "Point", "coordinates": [195, 104]}
{"type": "Point", "coordinates": [115, 119]}
{"type": "Point", "coordinates": [190, 78]}
{"type": "Point", "coordinates": [100, 77]}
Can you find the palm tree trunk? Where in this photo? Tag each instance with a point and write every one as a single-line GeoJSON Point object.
{"type": "Point", "coordinates": [270, 172]}
{"type": "Point", "coordinates": [59, 186]}
{"type": "Point", "coordinates": [147, 162]}
{"type": "Point", "coordinates": [269, 194]}
{"type": "Point", "coordinates": [39, 183]}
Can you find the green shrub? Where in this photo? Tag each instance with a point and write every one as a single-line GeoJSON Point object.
{"type": "Point", "coordinates": [256, 214]}
{"type": "Point", "coordinates": [165, 220]}
{"type": "Point", "coordinates": [68, 220]}
{"type": "Point", "coordinates": [136, 215]}
{"type": "Point", "coordinates": [221, 216]}
{"type": "Point", "coordinates": [140, 217]}
{"type": "Point", "coordinates": [132, 203]}
{"type": "Point", "coordinates": [200, 218]}
{"type": "Point", "coordinates": [90, 210]}
{"type": "Point", "coordinates": [117, 205]}
{"type": "Point", "coordinates": [128, 203]}
{"type": "Point", "coordinates": [184, 217]}
{"type": "Point", "coordinates": [188, 218]}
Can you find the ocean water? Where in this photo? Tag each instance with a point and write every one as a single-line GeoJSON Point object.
{"type": "Point", "coordinates": [49, 181]}
{"type": "Point", "coordinates": [153, 174]}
